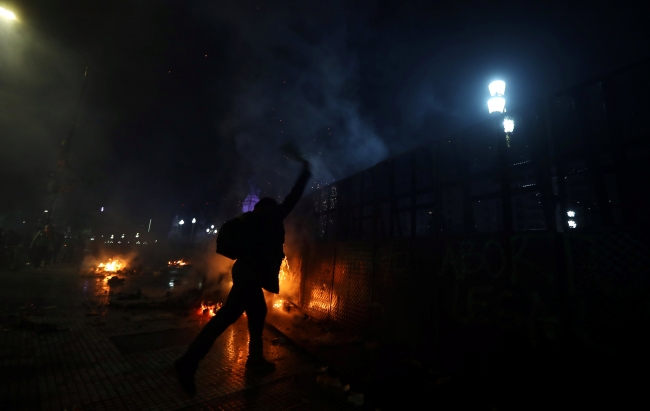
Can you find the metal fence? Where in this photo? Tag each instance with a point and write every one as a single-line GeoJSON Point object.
{"type": "Point", "coordinates": [542, 231]}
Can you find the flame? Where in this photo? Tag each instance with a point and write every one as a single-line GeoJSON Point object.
{"type": "Point", "coordinates": [178, 263]}
{"type": "Point", "coordinates": [320, 299]}
{"type": "Point", "coordinates": [285, 276]}
{"type": "Point", "coordinates": [110, 266]}
{"type": "Point", "coordinates": [209, 309]}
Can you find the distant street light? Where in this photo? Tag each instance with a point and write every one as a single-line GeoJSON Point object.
{"type": "Point", "coordinates": [497, 101]}
{"type": "Point", "coordinates": [192, 232]}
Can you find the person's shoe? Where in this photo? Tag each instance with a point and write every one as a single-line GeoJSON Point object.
{"type": "Point", "coordinates": [185, 375]}
{"type": "Point", "coordinates": [259, 365]}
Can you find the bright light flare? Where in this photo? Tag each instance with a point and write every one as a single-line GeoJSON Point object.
{"type": "Point", "coordinates": [572, 224]}
{"type": "Point", "coordinates": [496, 104]}
{"type": "Point", "coordinates": [571, 213]}
{"type": "Point", "coordinates": [508, 124]}
{"type": "Point", "coordinates": [497, 88]}
{"type": "Point", "coordinates": [278, 303]}
{"type": "Point", "coordinates": [7, 14]}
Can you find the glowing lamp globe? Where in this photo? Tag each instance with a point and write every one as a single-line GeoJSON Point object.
{"type": "Point", "coordinates": [496, 105]}
{"type": "Point", "coordinates": [508, 125]}
{"type": "Point", "coordinates": [497, 88]}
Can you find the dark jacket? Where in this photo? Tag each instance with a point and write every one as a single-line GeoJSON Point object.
{"type": "Point", "coordinates": [264, 252]}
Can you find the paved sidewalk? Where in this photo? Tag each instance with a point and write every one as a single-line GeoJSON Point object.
{"type": "Point", "coordinates": [62, 347]}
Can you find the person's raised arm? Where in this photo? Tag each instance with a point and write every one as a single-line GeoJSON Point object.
{"type": "Point", "coordinates": [296, 192]}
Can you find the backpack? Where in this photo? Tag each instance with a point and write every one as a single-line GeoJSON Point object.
{"type": "Point", "coordinates": [232, 237]}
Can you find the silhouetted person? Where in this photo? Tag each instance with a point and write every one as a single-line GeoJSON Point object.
{"type": "Point", "coordinates": [59, 241]}
{"type": "Point", "coordinates": [256, 268]}
{"type": "Point", "coordinates": [42, 246]}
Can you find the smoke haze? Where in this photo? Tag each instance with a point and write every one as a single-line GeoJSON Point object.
{"type": "Point", "coordinates": [186, 102]}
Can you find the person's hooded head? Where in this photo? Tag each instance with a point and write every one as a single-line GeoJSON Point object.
{"type": "Point", "coordinates": [265, 204]}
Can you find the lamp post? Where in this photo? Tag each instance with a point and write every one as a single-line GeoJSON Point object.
{"type": "Point", "coordinates": [192, 232]}
{"type": "Point", "coordinates": [180, 224]}
{"type": "Point", "coordinates": [65, 143]}
{"type": "Point", "coordinates": [497, 105]}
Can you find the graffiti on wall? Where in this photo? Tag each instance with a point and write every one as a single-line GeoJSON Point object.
{"type": "Point", "coordinates": [505, 281]}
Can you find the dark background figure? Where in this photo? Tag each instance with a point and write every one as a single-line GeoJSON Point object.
{"type": "Point", "coordinates": [14, 249]}
{"type": "Point", "coordinates": [42, 246]}
{"type": "Point", "coordinates": [79, 249]}
{"type": "Point", "coordinates": [256, 268]}
{"type": "Point", "coordinates": [3, 249]}
{"type": "Point", "coordinates": [69, 249]}
{"type": "Point", "coordinates": [58, 242]}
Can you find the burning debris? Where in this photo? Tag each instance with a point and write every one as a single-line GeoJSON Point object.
{"type": "Point", "coordinates": [209, 309]}
{"type": "Point", "coordinates": [179, 263]}
{"type": "Point", "coordinates": [112, 266]}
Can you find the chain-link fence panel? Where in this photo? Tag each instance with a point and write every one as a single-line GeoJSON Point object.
{"type": "Point", "coordinates": [613, 289]}
{"type": "Point", "coordinates": [351, 292]}
{"type": "Point", "coordinates": [391, 297]}
{"type": "Point", "coordinates": [317, 280]}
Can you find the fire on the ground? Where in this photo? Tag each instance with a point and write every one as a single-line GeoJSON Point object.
{"type": "Point", "coordinates": [209, 309]}
{"type": "Point", "coordinates": [111, 266]}
{"type": "Point", "coordinates": [178, 263]}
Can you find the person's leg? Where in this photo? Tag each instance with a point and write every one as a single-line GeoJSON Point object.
{"type": "Point", "coordinates": [256, 313]}
{"type": "Point", "coordinates": [231, 310]}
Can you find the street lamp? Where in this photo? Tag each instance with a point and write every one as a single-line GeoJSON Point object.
{"type": "Point", "coordinates": [497, 101]}
{"type": "Point", "coordinates": [192, 232]}
{"type": "Point", "coordinates": [7, 14]}
{"type": "Point", "coordinates": [65, 144]}
{"type": "Point", "coordinates": [180, 224]}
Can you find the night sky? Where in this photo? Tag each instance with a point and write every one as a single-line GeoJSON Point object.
{"type": "Point", "coordinates": [186, 101]}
